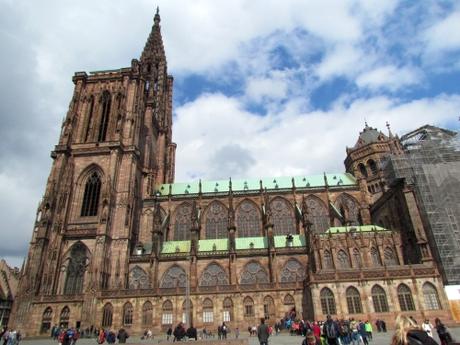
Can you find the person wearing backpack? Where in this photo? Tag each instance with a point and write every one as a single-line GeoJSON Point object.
{"type": "Point", "coordinates": [331, 331]}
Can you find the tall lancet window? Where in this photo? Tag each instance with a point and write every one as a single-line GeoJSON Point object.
{"type": "Point", "coordinates": [106, 101]}
{"type": "Point", "coordinates": [91, 196]}
{"type": "Point", "coordinates": [76, 270]}
{"type": "Point", "coordinates": [89, 123]}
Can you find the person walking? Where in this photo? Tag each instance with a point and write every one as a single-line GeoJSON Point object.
{"type": "Point", "coordinates": [443, 333]}
{"type": "Point", "coordinates": [168, 333]}
{"type": "Point", "coordinates": [262, 332]}
{"type": "Point", "coordinates": [368, 327]}
{"type": "Point", "coordinates": [408, 333]}
{"type": "Point", "coordinates": [331, 331]}
{"type": "Point", "coordinates": [428, 327]}
{"type": "Point", "coordinates": [122, 336]}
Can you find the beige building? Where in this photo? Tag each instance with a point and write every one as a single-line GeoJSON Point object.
{"type": "Point", "coordinates": [117, 243]}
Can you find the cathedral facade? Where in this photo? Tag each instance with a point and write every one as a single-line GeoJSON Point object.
{"type": "Point", "coordinates": [117, 243]}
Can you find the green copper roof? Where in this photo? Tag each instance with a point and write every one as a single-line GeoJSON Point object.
{"type": "Point", "coordinates": [245, 243]}
{"type": "Point", "coordinates": [361, 228]}
{"type": "Point", "coordinates": [170, 247]}
{"type": "Point", "coordinates": [297, 241]}
{"type": "Point", "coordinates": [208, 245]}
{"type": "Point", "coordinates": [272, 183]}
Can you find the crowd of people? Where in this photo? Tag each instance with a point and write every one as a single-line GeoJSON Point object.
{"type": "Point", "coordinates": [10, 336]}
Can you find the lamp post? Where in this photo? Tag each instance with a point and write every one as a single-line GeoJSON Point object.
{"type": "Point", "coordinates": [187, 296]}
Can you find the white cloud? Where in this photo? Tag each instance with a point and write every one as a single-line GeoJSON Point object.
{"type": "Point", "coordinates": [389, 77]}
{"type": "Point", "coordinates": [443, 35]}
{"type": "Point", "coordinates": [274, 87]}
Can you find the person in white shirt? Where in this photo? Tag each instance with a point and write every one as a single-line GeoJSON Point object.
{"type": "Point", "coordinates": [428, 327]}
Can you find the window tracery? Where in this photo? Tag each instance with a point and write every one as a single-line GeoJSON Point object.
{"type": "Point", "coordinates": [292, 271]}
{"type": "Point", "coordinates": [76, 268]}
{"type": "Point", "coordinates": [248, 219]}
{"type": "Point", "coordinates": [327, 302]}
{"type": "Point", "coordinates": [379, 299]}
{"type": "Point", "coordinates": [183, 222]}
{"type": "Point", "coordinates": [91, 196]}
{"type": "Point", "coordinates": [64, 317]}
{"type": "Point", "coordinates": [431, 297]}
{"type": "Point", "coordinates": [147, 314]}
{"type": "Point", "coordinates": [253, 273]}
{"type": "Point", "coordinates": [343, 259]}
{"type": "Point", "coordinates": [357, 258]}
{"type": "Point", "coordinates": [282, 217]}
{"type": "Point", "coordinates": [216, 220]}
{"type": "Point", "coordinates": [167, 313]}
{"type": "Point", "coordinates": [354, 301]}
{"type": "Point", "coordinates": [174, 277]}
{"type": "Point", "coordinates": [318, 214]}
{"type": "Point", "coordinates": [214, 275]}
{"type": "Point", "coordinates": [47, 317]}
{"type": "Point", "coordinates": [107, 314]}
{"type": "Point", "coordinates": [406, 301]}
{"type": "Point", "coordinates": [375, 255]}
{"type": "Point", "coordinates": [128, 314]}
{"type": "Point", "coordinates": [390, 258]}
{"type": "Point", "coordinates": [248, 304]}
{"type": "Point", "coordinates": [138, 279]}
{"type": "Point", "coordinates": [327, 260]}
{"type": "Point", "coordinates": [349, 208]}
{"type": "Point", "coordinates": [228, 310]}
{"type": "Point", "coordinates": [104, 123]}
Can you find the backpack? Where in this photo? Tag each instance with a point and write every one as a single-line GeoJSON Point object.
{"type": "Point", "coordinates": [331, 332]}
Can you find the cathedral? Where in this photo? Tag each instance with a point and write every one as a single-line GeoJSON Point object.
{"type": "Point", "coordinates": [118, 243]}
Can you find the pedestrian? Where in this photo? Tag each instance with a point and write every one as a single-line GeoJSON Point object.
{"type": "Point", "coordinates": [237, 332]}
{"type": "Point", "coordinates": [368, 327]}
{"type": "Point", "coordinates": [443, 333]}
{"type": "Point", "coordinates": [224, 330]}
{"type": "Point", "coordinates": [262, 332]}
{"type": "Point", "coordinates": [363, 333]}
{"type": "Point", "coordinates": [169, 333]}
{"type": "Point", "coordinates": [428, 327]}
{"type": "Point", "coordinates": [122, 336]}
{"type": "Point", "coordinates": [331, 330]}
{"type": "Point", "coordinates": [408, 333]}
{"type": "Point", "coordinates": [101, 337]}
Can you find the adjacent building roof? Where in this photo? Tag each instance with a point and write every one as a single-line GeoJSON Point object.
{"type": "Point", "coordinates": [246, 185]}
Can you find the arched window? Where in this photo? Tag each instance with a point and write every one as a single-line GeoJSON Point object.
{"type": "Point", "coordinates": [349, 208]}
{"type": "Point", "coordinates": [269, 308]}
{"type": "Point", "coordinates": [208, 311]}
{"type": "Point", "coordinates": [76, 268]}
{"type": "Point", "coordinates": [282, 217]}
{"type": "Point", "coordinates": [292, 271]}
{"type": "Point", "coordinates": [147, 314]}
{"type": "Point", "coordinates": [406, 301]}
{"type": "Point", "coordinates": [248, 304]}
{"type": "Point", "coordinates": [46, 320]}
{"type": "Point", "coordinates": [103, 125]}
{"type": "Point", "coordinates": [185, 320]}
{"type": "Point", "coordinates": [64, 318]}
{"type": "Point", "coordinates": [357, 258]}
{"type": "Point", "coordinates": [289, 304]}
{"type": "Point", "coordinates": [343, 259]}
{"type": "Point", "coordinates": [89, 120]}
{"type": "Point", "coordinates": [138, 279]}
{"type": "Point", "coordinates": [327, 260]}
{"type": "Point", "coordinates": [91, 195]}
{"type": "Point", "coordinates": [327, 302]}
{"type": "Point", "coordinates": [128, 314]}
{"type": "Point", "coordinates": [213, 275]}
{"type": "Point", "coordinates": [183, 222]}
{"type": "Point", "coordinates": [216, 220]}
{"type": "Point", "coordinates": [390, 258]}
{"type": "Point", "coordinates": [248, 219]}
{"type": "Point", "coordinates": [107, 314]}
{"type": "Point", "coordinates": [253, 273]}
{"type": "Point", "coordinates": [289, 300]}
{"type": "Point", "coordinates": [372, 166]}
{"type": "Point", "coordinates": [431, 297]}
{"type": "Point", "coordinates": [228, 310]}
{"type": "Point", "coordinates": [174, 277]}
{"type": "Point", "coordinates": [379, 298]}
{"type": "Point", "coordinates": [375, 255]}
{"type": "Point", "coordinates": [362, 169]}
{"type": "Point", "coordinates": [354, 301]}
{"type": "Point", "coordinates": [317, 214]}
{"type": "Point", "coordinates": [167, 313]}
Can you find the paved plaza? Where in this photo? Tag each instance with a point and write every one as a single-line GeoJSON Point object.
{"type": "Point", "coordinates": [282, 339]}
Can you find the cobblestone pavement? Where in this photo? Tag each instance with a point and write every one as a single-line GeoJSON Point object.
{"type": "Point", "coordinates": [282, 339]}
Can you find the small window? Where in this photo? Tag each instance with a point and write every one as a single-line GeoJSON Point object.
{"type": "Point", "coordinates": [208, 311]}
{"type": "Point", "coordinates": [379, 299]}
{"type": "Point", "coordinates": [354, 301]}
{"type": "Point", "coordinates": [167, 315]}
{"type": "Point", "coordinates": [107, 314]}
{"type": "Point", "coordinates": [431, 297]}
{"type": "Point", "coordinates": [248, 307]}
{"type": "Point", "coordinates": [327, 302]}
{"type": "Point", "coordinates": [128, 314]}
{"type": "Point", "coordinates": [406, 301]}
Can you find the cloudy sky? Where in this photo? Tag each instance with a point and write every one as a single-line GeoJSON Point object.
{"type": "Point", "coordinates": [262, 87]}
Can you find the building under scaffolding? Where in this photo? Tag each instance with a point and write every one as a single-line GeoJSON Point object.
{"type": "Point", "coordinates": [431, 164]}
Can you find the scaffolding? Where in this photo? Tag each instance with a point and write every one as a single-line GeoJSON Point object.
{"type": "Point", "coordinates": [431, 163]}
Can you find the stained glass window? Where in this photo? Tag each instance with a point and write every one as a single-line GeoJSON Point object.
{"type": "Point", "coordinates": [431, 297]}
{"type": "Point", "coordinates": [107, 314]}
{"type": "Point", "coordinates": [228, 310]}
{"type": "Point", "coordinates": [379, 299]}
{"type": "Point", "coordinates": [354, 301]}
{"type": "Point", "coordinates": [390, 258]}
{"type": "Point", "coordinates": [147, 314]}
{"type": "Point", "coordinates": [375, 255]}
{"type": "Point", "coordinates": [183, 222]}
{"type": "Point", "coordinates": [216, 220]}
{"type": "Point", "coordinates": [327, 260]}
{"type": "Point", "coordinates": [253, 273]}
{"type": "Point", "coordinates": [248, 219]}
{"type": "Point", "coordinates": [269, 308]}
{"type": "Point", "coordinates": [91, 195]}
{"type": "Point", "coordinates": [327, 302]}
{"type": "Point", "coordinates": [174, 277]}
{"type": "Point", "coordinates": [138, 279]}
{"type": "Point", "coordinates": [292, 271]}
{"type": "Point", "coordinates": [357, 258]}
{"type": "Point", "coordinates": [282, 217]}
{"type": "Point", "coordinates": [208, 311]}
{"type": "Point", "coordinates": [128, 314]}
{"type": "Point", "coordinates": [343, 259]}
{"type": "Point", "coordinates": [406, 301]}
{"type": "Point", "coordinates": [248, 304]}
{"type": "Point", "coordinates": [64, 318]}
{"type": "Point", "coordinates": [317, 214]}
{"type": "Point", "coordinates": [46, 320]}
{"type": "Point", "coordinates": [213, 275]}
{"type": "Point", "coordinates": [349, 208]}
{"type": "Point", "coordinates": [76, 268]}
{"type": "Point", "coordinates": [167, 315]}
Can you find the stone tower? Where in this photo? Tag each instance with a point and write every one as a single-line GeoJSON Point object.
{"type": "Point", "coordinates": [115, 145]}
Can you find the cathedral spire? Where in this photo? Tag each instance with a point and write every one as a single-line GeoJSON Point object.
{"type": "Point", "coordinates": [154, 49]}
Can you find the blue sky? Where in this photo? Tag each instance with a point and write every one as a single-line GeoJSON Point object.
{"type": "Point", "coordinates": [262, 88]}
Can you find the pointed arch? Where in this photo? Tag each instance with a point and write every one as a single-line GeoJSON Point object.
{"type": "Point", "coordinates": [106, 100]}
{"type": "Point", "coordinates": [47, 317]}
{"type": "Point", "coordinates": [390, 257]}
{"type": "Point", "coordinates": [182, 222]}
{"type": "Point", "coordinates": [248, 305]}
{"type": "Point", "coordinates": [208, 311]}
{"type": "Point", "coordinates": [107, 315]}
{"type": "Point", "coordinates": [167, 313]}
{"type": "Point", "coordinates": [64, 317]}
{"type": "Point", "coordinates": [357, 258]}
{"type": "Point", "coordinates": [269, 308]}
{"type": "Point", "coordinates": [327, 260]}
{"type": "Point", "coordinates": [327, 301]}
{"type": "Point", "coordinates": [214, 275]}
{"type": "Point", "coordinates": [349, 207]}
{"type": "Point", "coordinates": [430, 294]}
{"type": "Point", "coordinates": [379, 299]}
{"type": "Point", "coordinates": [174, 277]}
{"type": "Point", "coordinates": [375, 256]}
{"type": "Point", "coordinates": [253, 273]}
{"type": "Point", "coordinates": [227, 310]}
{"type": "Point", "coordinates": [292, 271]}
{"type": "Point", "coordinates": [76, 267]}
{"type": "Point", "coordinates": [138, 279]}
{"type": "Point", "coordinates": [318, 214]}
{"type": "Point", "coordinates": [248, 219]}
{"type": "Point", "coordinates": [216, 215]}
{"type": "Point", "coordinates": [147, 314]}
{"type": "Point", "coordinates": [128, 314]}
{"type": "Point", "coordinates": [372, 166]}
{"type": "Point", "coordinates": [89, 120]}
{"type": "Point", "coordinates": [91, 195]}
{"type": "Point", "coordinates": [353, 301]}
{"type": "Point", "coordinates": [343, 259]}
{"type": "Point", "coordinates": [362, 170]}
{"type": "Point", "coordinates": [282, 216]}
{"type": "Point", "coordinates": [289, 300]}
{"type": "Point", "coordinates": [406, 302]}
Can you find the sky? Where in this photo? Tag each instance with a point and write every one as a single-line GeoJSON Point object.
{"type": "Point", "coordinates": [261, 88]}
